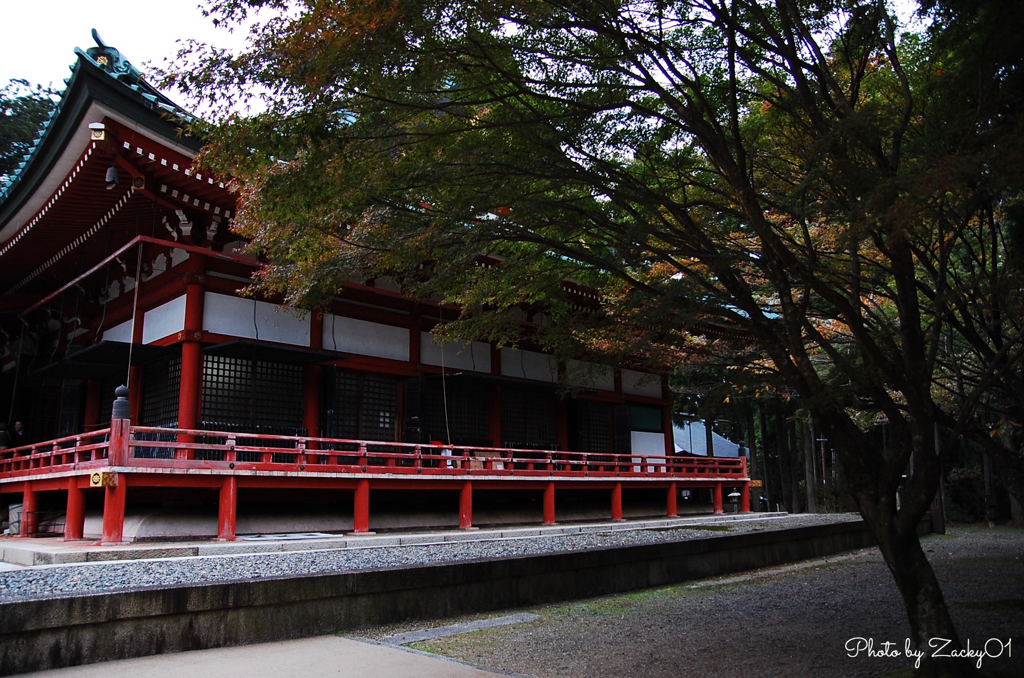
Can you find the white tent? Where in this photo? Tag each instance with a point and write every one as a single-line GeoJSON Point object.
{"type": "Point", "coordinates": [691, 438]}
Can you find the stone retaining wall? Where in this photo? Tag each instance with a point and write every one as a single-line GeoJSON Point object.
{"type": "Point", "coordinates": [53, 633]}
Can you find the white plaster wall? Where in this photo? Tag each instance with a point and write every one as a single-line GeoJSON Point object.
{"type": "Point", "coordinates": [528, 365]}
{"type": "Point", "coordinates": [641, 384]}
{"type": "Point", "coordinates": [365, 338]}
{"type": "Point", "coordinates": [122, 332]}
{"type": "Point", "coordinates": [178, 256]}
{"type": "Point", "coordinates": [590, 375]}
{"type": "Point", "coordinates": [164, 320]}
{"type": "Point", "coordinates": [223, 314]}
{"type": "Point", "coordinates": [646, 443]}
{"type": "Point", "coordinates": [476, 356]}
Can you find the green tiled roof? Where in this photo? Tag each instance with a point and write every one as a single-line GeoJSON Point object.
{"type": "Point", "coordinates": [109, 60]}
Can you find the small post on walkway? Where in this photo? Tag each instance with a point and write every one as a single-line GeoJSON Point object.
{"type": "Point", "coordinates": [717, 498]}
{"type": "Point", "coordinates": [617, 501]}
{"type": "Point", "coordinates": [466, 506]}
{"type": "Point", "coordinates": [672, 510]}
{"type": "Point", "coordinates": [549, 504]}
{"type": "Point", "coordinates": [74, 522]}
{"type": "Point", "coordinates": [228, 513]}
{"type": "Point", "coordinates": [361, 509]}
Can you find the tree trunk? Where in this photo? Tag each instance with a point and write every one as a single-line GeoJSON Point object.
{"type": "Point", "coordinates": [780, 443]}
{"type": "Point", "coordinates": [794, 465]}
{"type": "Point", "coordinates": [922, 596]}
{"type": "Point", "coordinates": [873, 483]}
{"type": "Point", "coordinates": [709, 437]}
{"type": "Point", "coordinates": [770, 495]}
{"type": "Point", "coordinates": [748, 420]}
{"type": "Point", "coordinates": [807, 431]}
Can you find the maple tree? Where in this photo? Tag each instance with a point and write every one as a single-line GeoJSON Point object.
{"type": "Point", "coordinates": [23, 110]}
{"type": "Point", "coordinates": [792, 188]}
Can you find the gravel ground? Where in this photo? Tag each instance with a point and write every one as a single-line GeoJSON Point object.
{"type": "Point", "coordinates": [50, 581]}
{"type": "Point", "coordinates": [776, 623]}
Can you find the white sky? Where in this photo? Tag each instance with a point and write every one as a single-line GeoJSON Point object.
{"type": "Point", "coordinates": [38, 37]}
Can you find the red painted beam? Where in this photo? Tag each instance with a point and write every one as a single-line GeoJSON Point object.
{"type": "Point", "coordinates": [672, 509]}
{"type": "Point", "coordinates": [617, 501]}
{"type": "Point", "coordinates": [717, 498]}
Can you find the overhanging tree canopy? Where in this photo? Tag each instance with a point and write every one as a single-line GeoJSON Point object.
{"type": "Point", "coordinates": [793, 171]}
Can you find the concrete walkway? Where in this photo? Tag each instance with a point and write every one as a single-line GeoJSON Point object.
{"type": "Point", "coordinates": [323, 657]}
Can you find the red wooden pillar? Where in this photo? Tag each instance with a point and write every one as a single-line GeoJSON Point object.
{"type": "Point", "coordinates": [189, 393]}
{"type": "Point", "coordinates": [93, 397]}
{"type": "Point", "coordinates": [135, 384]}
{"type": "Point", "coordinates": [113, 511]}
{"type": "Point", "coordinates": [717, 498]}
{"type": "Point", "coordinates": [666, 416]}
{"type": "Point", "coordinates": [549, 504]}
{"type": "Point", "coordinates": [228, 513]}
{"type": "Point", "coordinates": [494, 416]}
{"type": "Point", "coordinates": [466, 506]}
{"type": "Point", "coordinates": [361, 510]}
{"type": "Point", "coordinates": [29, 506]}
{"type": "Point", "coordinates": [311, 382]}
{"type": "Point", "coordinates": [74, 522]}
{"type": "Point", "coordinates": [311, 402]}
{"type": "Point", "coordinates": [745, 498]}
{"type": "Point", "coordinates": [617, 501]}
{"type": "Point", "coordinates": [191, 383]}
{"type": "Point", "coordinates": [562, 422]}
{"type": "Point", "coordinates": [135, 397]}
{"type": "Point", "coordinates": [672, 510]}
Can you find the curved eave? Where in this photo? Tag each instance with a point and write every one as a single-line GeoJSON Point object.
{"type": "Point", "coordinates": [91, 92]}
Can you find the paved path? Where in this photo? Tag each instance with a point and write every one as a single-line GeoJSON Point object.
{"type": "Point", "coordinates": [323, 657]}
{"type": "Point", "coordinates": [793, 621]}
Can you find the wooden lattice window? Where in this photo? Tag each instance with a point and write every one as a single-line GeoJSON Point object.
{"type": "Point", "coordinates": [590, 426]}
{"type": "Point", "coordinates": [529, 419]}
{"type": "Point", "coordinates": [362, 407]}
{"type": "Point", "coordinates": [161, 386]}
{"type": "Point", "coordinates": [466, 418]}
{"type": "Point", "coordinates": [254, 395]}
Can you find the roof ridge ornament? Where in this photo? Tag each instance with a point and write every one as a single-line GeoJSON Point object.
{"type": "Point", "coordinates": [109, 59]}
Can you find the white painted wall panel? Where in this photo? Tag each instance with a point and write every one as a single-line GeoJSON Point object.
{"type": "Point", "coordinates": [164, 320]}
{"type": "Point", "coordinates": [641, 384]}
{"type": "Point", "coordinates": [223, 314]}
{"type": "Point", "coordinates": [475, 357]}
{"type": "Point", "coordinates": [589, 375]}
{"type": "Point", "coordinates": [528, 365]}
{"type": "Point", "coordinates": [122, 332]}
{"type": "Point", "coordinates": [365, 338]}
{"type": "Point", "coordinates": [645, 443]}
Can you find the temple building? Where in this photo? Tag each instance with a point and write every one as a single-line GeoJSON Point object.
{"type": "Point", "coordinates": [118, 266]}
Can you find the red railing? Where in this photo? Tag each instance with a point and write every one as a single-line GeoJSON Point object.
{"type": "Point", "coordinates": [185, 449]}
{"type": "Point", "coordinates": [85, 450]}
